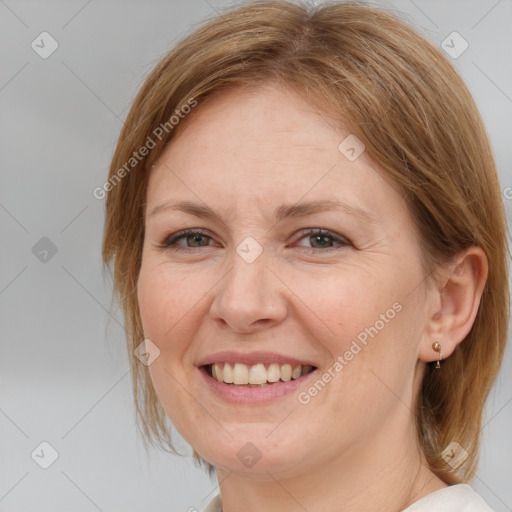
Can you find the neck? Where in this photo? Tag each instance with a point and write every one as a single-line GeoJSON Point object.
{"type": "Point", "coordinates": [386, 472]}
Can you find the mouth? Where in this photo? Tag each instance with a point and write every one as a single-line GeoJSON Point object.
{"type": "Point", "coordinates": [257, 375]}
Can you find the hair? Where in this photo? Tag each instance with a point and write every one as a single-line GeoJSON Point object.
{"type": "Point", "coordinates": [406, 102]}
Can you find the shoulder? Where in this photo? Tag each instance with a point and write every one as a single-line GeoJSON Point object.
{"type": "Point", "coordinates": [454, 498]}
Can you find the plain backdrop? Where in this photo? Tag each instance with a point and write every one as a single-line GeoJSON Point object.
{"type": "Point", "coordinates": [64, 376]}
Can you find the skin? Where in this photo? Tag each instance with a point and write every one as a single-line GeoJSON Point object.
{"type": "Point", "coordinates": [353, 446]}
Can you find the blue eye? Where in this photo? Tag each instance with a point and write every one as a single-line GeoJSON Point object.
{"type": "Point", "coordinates": [195, 236]}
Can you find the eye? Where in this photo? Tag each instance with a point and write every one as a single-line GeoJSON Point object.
{"type": "Point", "coordinates": [196, 238]}
{"type": "Point", "coordinates": [193, 236]}
{"type": "Point", "coordinates": [318, 237]}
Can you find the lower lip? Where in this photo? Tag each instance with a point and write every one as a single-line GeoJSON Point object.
{"type": "Point", "coordinates": [251, 395]}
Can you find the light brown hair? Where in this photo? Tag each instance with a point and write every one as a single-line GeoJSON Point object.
{"type": "Point", "coordinates": [405, 101]}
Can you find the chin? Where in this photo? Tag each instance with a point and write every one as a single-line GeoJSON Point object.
{"type": "Point", "coordinates": [259, 456]}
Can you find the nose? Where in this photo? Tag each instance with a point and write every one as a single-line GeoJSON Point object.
{"type": "Point", "coordinates": [250, 297]}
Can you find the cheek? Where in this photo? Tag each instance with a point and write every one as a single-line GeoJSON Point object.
{"type": "Point", "coordinates": [340, 306]}
{"type": "Point", "coordinates": [168, 302]}
{"type": "Point", "coordinates": [168, 307]}
{"type": "Point", "coordinates": [362, 321]}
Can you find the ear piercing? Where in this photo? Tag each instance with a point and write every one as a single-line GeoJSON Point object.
{"type": "Point", "coordinates": [436, 346]}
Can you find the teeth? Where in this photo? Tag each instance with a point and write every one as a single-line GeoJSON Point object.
{"type": "Point", "coordinates": [227, 375]}
{"type": "Point", "coordinates": [286, 372]}
{"type": "Point", "coordinates": [274, 372]}
{"type": "Point", "coordinates": [240, 374]}
{"type": "Point", "coordinates": [257, 374]}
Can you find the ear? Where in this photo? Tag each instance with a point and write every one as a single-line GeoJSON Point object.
{"type": "Point", "coordinates": [455, 304]}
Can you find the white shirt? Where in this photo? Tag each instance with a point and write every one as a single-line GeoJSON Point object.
{"type": "Point", "coordinates": [454, 498]}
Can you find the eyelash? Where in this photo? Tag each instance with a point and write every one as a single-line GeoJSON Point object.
{"type": "Point", "coordinates": [169, 241]}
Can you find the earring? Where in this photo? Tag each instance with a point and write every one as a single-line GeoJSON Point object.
{"type": "Point", "coordinates": [436, 346]}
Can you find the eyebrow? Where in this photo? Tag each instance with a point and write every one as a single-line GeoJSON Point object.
{"type": "Point", "coordinates": [280, 213]}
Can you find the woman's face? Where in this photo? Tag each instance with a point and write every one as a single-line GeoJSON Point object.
{"type": "Point", "coordinates": [256, 287]}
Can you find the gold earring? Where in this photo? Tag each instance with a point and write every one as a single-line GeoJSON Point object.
{"type": "Point", "coordinates": [436, 346]}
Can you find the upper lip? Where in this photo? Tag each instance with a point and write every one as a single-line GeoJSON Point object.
{"type": "Point", "coordinates": [251, 358]}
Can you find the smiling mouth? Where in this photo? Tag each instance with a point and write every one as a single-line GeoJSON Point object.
{"type": "Point", "coordinates": [258, 375]}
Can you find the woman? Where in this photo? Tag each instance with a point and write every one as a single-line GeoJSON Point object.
{"type": "Point", "coordinates": [308, 240]}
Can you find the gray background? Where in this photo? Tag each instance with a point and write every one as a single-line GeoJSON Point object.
{"type": "Point", "coordinates": [63, 368]}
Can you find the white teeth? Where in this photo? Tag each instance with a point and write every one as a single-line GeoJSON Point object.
{"type": "Point", "coordinates": [227, 376]}
{"type": "Point", "coordinates": [240, 374]}
{"type": "Point", "coordinates": [218, 373]}
{"type": "Point", "coordinates": [257, 374]}
{"type": "Point", "coordinates": [273, 372]}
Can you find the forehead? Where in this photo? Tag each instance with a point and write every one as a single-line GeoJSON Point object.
{"type": "Point", "coordinates": [261, 116]}
{"type": "Point", "coordinates": [259, 145]}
